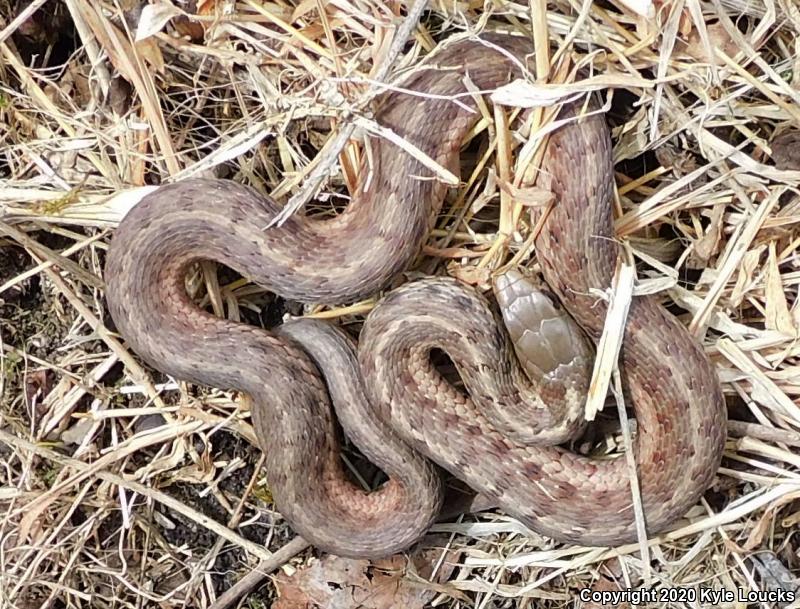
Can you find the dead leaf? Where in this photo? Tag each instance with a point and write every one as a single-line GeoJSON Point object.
{"type": "Point", "coordinates": [347, 583]}
{"type": "Point", "coordinates": [778, 317]}
{"type": "Point", "coordinates": [775, 575]}
{"type": "Point", "coordinates": [718, 38]}
{"type": "Point", "coordinates": [763, 525]}
{"type": "Point", "coordinates": [471, 275]}
{"type": "Point", "coordinates": [709, 243]}
{"type": "Point", "coordinates": [154, 18]}
{"type": "Point", "coordinates": [77, 433]}
{"type": "Point", "coordinates": [529, 196]}
{"type": "Point", "coordinates": [302, 9]}
{"type": "Point", "coordinates": [747, 269]}
{"type": "Point", "coordinates": [786, 151]}
{"type": "Point", "coordinates": [190, 28]}
{"type": "Point", "coordinates": [150, 51]}
{"type": "Point", "coordinates": [673, 155]}
{"type": "Point", "coordinates": [119, 95]}
{"type": "Point", "coordinates": [201, 471]}
{"type": "Point", "coordinates": [37, 385]}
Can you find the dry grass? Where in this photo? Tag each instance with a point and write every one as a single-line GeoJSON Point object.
{"type": "Point", "coordinates": [121, 488]}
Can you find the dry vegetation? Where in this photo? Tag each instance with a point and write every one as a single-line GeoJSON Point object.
{"type": "Point", "coordinates": [120, 488]}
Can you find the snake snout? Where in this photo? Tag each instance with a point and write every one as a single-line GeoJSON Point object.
{"type": "Point", "coordinates": [547, 341]}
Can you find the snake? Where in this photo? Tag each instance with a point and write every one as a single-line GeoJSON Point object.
{"type": "Point", "coordinates": [506, 432]}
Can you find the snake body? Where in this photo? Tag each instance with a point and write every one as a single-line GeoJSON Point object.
{"type": "Point", "coordinates": [390, 399]}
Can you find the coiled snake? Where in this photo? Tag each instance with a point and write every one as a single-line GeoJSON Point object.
{"type": "Point", "coordinates": [489, 438]}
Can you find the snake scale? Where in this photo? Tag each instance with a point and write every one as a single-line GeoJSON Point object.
{"type": "Point", "coordinates": [501, 436]}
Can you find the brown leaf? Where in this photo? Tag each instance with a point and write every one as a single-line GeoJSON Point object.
{"type": "Point", "coordinates": [195, 30]}
{"type": "Point", "coordinates": [119, 95]}
{"type": "Point", "coordinates": [786, 150]}
{"type": "Point", "coordinates": [471, 275]}
{"type": "Point", "coordinates": [149, 50]}
{"type": "Point", "coordinates": [37, 385]}
{"type": "Point", "coordinates": [348, 583]}
{"type": "Point", "coordinates": [718, 38]}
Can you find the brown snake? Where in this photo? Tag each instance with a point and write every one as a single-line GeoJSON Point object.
{"type": "Point", "coordinates": [490, 438]}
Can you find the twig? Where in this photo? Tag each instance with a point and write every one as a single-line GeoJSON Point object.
{"type": "Point", "coordinates": [741, 429]}
{"type": "Point", "coordinates": [253, 579]}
